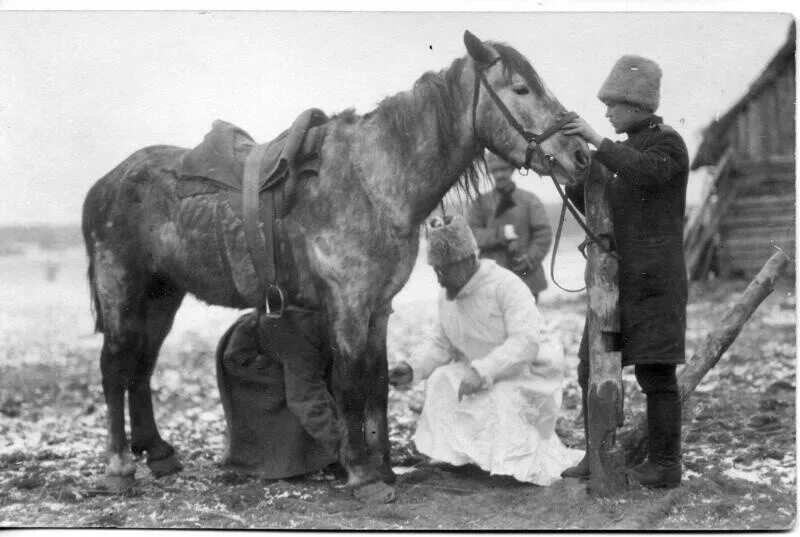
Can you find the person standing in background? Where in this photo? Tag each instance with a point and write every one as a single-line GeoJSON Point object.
{"type": "Point", "coordinates": [511, 226]}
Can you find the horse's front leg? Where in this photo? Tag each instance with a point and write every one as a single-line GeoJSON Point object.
{"type": "Point", "coordinates": [356, 381]}
{"type": "Point", "coordinates": [376, 424]}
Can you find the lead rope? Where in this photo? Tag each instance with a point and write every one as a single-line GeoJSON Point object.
{"type": "Point", "coordinates": [590, 238]}
{"type": "Point", "coordinates": [555, 251]}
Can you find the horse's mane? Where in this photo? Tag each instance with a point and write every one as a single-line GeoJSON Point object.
{"type": "Point", "coordinates": [401, 114]}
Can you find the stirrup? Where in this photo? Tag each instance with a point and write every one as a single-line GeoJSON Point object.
{"type": "Point", "coordinates": [274, 302]}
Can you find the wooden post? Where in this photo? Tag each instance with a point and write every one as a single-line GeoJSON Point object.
{"type": "Point", "coordinates": [606, 460]}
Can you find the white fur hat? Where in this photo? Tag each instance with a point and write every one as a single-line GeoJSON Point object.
{"type": "Point", "coordinates": [494, 162]}
{"type": "Point", "coordinates": [634, 80]}
{"type": "Point", "coordinates": [449, 240]}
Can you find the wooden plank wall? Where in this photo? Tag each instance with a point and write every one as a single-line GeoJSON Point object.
{"type": "Point", "coordinates": [762, 181]}
{"type": "Point", "coordinates": [765, 127]}
{"type": "Point", "coordinates": [786, 96]}
{"type": "Point", "coordinates": [761, 215]}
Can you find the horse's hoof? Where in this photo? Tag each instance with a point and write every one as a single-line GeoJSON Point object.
{"type": "Point", "coordinates": [164, 467]}
{"type": "Point", "coordinates": [120, 483]}
{"type": "Point", "coordinates": [388, 476]}
{"type": "Point", "coordinates": [374, 493]}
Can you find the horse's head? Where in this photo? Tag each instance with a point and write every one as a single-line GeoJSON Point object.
{"type": "Point", "coordinates": [517, 117]}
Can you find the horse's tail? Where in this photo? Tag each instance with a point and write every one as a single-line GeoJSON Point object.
{"type": "Point", "coordinates": [91, 211]}
{"type": "Point", "coordinates": [94, 304]}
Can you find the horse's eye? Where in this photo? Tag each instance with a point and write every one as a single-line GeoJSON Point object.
{"type": "Point", "coordinates": [521, 90]}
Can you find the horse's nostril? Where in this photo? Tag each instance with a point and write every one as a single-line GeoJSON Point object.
{"type": "Point", "coordinates": [581, 159]}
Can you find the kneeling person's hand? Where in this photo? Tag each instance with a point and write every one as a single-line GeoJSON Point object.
{"type": "Point", "coordinates": [401, 374]}
{"type": "Point", "coordinates": [471, 383]}
{"type": "Point", "coordinates": [541, 368]}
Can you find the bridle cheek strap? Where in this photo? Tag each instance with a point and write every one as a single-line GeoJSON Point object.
{"type": "Point", "coordinates": [534, 140]}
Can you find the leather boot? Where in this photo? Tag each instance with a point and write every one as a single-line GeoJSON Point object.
{"type": "Point", "coordinates": [662, 469]}
{"type": "Point", "coordinates": [581, 470]}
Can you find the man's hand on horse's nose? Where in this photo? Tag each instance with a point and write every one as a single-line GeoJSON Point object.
{"type": "Point", "coordinates": [579, 127]}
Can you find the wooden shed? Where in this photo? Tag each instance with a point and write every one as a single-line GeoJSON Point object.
{"type": "Point", "coordinates": [750, 206]}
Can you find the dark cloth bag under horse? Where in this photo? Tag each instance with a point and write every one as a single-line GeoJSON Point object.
{"type": "Point", "coordinates": [281, 418]}
{"type": "Point", "coordinates": [647, 197]}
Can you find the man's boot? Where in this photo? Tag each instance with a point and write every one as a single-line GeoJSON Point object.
{"type": "Point", "coordinates": [581, 470]}
{"type": "Point", "coordinates": [662, 469]}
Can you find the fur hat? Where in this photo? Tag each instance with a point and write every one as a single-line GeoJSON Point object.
{"type": "Point", "coordinates": [449, 240]}
{"type": "Point", "coordinates": [634, 80]}
{"type": "Point", "coordinates": [494, 162]}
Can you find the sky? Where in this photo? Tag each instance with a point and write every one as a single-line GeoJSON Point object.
{"type": "Point", "coordinates": [81, 90]}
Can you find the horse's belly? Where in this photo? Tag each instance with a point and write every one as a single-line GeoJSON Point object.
{"type": "Point", "coordinates": [203, 251]}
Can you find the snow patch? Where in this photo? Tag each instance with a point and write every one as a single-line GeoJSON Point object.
{"type": "Point", "coordinates": [752, 476]}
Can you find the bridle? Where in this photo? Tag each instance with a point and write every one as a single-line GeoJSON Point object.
{"type": "Point", "coordinates": [534, 140]}
{"type": "Point", "coordinates": [535, 148]}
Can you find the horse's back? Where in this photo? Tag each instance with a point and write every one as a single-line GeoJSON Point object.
{"type": "Point", "coordinates": [138, 215]}
{"type": "Point", "coordinates": [148, 159]}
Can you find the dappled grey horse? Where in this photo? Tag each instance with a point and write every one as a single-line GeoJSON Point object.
{"type": "Point", "coordinates": [352, 236]}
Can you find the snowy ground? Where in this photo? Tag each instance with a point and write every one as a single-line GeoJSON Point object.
{"type": "Point", "coordinates": [739, 445]}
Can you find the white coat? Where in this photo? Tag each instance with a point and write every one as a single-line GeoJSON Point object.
{"type": "Point", "coordinates": [492, 325]}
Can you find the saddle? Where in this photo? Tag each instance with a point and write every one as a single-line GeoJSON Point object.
{"type": "Point", "coordinates": [229, 159]}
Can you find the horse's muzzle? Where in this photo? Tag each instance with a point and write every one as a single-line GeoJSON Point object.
{"type": "Point", "coordinates": [582, 162]}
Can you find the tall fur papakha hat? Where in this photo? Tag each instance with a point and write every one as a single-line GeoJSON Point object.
{"type": "Point", "coordinates": [633, 80]}
{"type": "Point", "coordinates": [493, 162]}
{"type": "Point", "coordinates": [449, 240]}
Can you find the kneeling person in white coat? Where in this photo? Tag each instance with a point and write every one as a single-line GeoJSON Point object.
{"type": "Point", "coordinates": [493, 393]}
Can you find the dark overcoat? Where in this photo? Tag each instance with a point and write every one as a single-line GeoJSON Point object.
{"type": "Point", "coordinates": [647, 197]}
{"type": "Point", "coordinates": [529, 218]}
{"type": "Point", "coordinates": [280, 416]}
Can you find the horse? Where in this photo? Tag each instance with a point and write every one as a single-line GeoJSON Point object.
{"type": "Point", "coordinates": [352, 235]}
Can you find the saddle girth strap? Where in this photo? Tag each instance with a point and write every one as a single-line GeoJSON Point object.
{"type": "Point", "coordinates": [261, 247]}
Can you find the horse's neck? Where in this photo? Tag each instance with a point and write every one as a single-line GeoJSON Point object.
{"type": "Point", "coordinates": [417, 178]}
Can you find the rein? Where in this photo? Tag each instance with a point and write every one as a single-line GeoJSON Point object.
{"type": "Point", "coordinates": [534, 147]}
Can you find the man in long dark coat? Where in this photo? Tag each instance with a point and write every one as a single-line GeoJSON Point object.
{"type": "Point", "coordinates": [273, 381]}
{"type": "Point", "coordinates": [647, 197]}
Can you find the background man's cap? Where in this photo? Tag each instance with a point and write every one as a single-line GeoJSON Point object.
{"type": "Point", "coordinates": [634, 80]}
{"type": "Point", "coordinates": [449, 240]}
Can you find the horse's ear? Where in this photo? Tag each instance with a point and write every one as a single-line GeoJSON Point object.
{"type": "Point", "coordinates": [477, 50]}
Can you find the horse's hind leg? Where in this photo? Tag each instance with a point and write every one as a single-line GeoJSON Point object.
{"type": "Point", "coordinates": [119, 298]}
{"type": "Point", "coordinates": [161, 302]}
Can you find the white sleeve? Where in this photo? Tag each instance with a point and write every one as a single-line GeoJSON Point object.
{"type": "Point", "coordinates": [437, 351]}
{"type": "Point", "coordinates": [521, 318]}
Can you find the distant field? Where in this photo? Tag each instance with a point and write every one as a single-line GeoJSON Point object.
{"type": "Point", "coordinates": [59, 237]}
{"type": "Point", "coordinates": [26, 251]}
